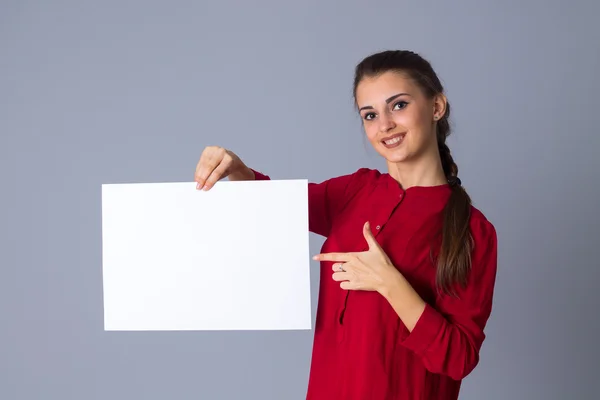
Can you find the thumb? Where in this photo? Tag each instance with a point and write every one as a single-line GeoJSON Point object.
{"type": "Point", "coordinates": [369, 236]}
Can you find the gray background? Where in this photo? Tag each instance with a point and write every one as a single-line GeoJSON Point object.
{"type": "Point", "coordinates": [132, 91]}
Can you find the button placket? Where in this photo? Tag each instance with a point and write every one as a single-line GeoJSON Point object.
{"type": "Point", "coordinates": [379, 226]}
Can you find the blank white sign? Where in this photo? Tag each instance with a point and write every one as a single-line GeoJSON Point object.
{"type": "Point", "coordinates": [233, 258]}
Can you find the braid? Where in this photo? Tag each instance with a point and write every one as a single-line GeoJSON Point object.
{"type": "Point", "coordinates": [454, 261]}
{"type": "Point", "coordinates": [443, 131]}
{"type": "Point", "coordinates": [448, 164]}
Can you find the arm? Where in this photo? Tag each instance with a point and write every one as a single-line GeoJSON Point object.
{"type": "Point", "coordinates": [449, 336]}
{"type": "Point", "coordinates": [326, 199]}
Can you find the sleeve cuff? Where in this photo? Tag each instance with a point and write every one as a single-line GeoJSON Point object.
{"type": "Point", "coordinates": [429, 325]}
{"type": "Point", "coordinates": [258, 176]}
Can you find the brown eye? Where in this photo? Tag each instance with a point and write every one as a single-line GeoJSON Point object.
{"type": "Point", "coordinates": [400, 105]}
{"type": "Point", "coordinates": [369, 116]}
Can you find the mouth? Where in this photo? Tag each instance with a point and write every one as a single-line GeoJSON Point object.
{"type": "Point", "coordinates": [393, 141]}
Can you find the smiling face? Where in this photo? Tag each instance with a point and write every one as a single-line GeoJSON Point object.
{"type": "Point", "coordinates": [398, 117]}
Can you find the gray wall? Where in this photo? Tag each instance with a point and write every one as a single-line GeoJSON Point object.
{"type": "Point", "coordinates": [131, 91]}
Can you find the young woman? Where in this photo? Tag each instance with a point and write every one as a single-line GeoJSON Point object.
{"type": "Point", "coordinates": [409, 264]}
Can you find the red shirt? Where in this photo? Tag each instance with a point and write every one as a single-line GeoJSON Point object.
{"type": "Point", "coordinates": [361, 348]}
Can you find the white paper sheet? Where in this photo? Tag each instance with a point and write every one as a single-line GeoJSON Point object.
{"type": "Point", "coordinates": [233, 258]}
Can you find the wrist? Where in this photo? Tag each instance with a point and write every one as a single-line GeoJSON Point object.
{"type": "Point", "coordinates": [404, 300]}
{"type": "Point", "coordinates": [242, 173]}
{"type": "Point", "coordinates": [391, 284]}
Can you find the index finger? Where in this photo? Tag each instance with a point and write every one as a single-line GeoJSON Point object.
{"type": "Point", "coordinates": [335, 257]}
{"type": "Point", "coordinates": [203, 171]}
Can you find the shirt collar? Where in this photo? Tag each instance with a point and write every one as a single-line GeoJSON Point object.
{"type": "Point", "coordinates": [394, 188]}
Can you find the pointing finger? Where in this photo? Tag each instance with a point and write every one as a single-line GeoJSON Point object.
{"type": "Point", "coordinates": [336, 257]}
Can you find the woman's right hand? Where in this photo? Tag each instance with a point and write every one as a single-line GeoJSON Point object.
{"type": "Point", "coordinates": [217, 163]}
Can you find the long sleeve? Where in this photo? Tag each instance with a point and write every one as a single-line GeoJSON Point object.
{"type": "Point", "coordinates": [448, 336]}
{"type": "Point", "coordinates": [327, 199]}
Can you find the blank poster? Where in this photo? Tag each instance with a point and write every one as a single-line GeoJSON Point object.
{"type": "Point", "coordinates": [233, 258]}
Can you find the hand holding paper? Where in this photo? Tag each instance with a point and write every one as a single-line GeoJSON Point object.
{"type": "Point", "coordinates": [217, 163]}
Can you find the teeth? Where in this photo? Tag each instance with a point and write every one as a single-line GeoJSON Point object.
{"type": "Point", "coordinates": [393, 141]}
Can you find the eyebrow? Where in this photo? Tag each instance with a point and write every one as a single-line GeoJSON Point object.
{"type": "Point", "coordinates": [388, 100]}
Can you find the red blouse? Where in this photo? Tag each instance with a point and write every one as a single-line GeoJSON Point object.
{"type": "Point", "coordinates": [361, 348]}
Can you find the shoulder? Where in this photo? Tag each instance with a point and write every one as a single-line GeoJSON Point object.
{"type": "Point", "coordinates": [366, 175]}
{"type": "Point", "coordinates": [481, 227]}
{"type": "Point", "coordinates": [364, 179]}
{"type": "Point", "coordinates": [356, 180]}
{"type": "Point", "coordinates": [485, 243]}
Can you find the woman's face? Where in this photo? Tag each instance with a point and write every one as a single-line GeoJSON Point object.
{"type": "Point", "coordinates": [399, 120]}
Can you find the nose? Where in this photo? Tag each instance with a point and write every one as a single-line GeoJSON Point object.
{"type": "Point", "coordinates": [386, 122]}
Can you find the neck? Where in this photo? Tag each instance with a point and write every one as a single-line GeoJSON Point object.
{"type": "Point", "coordinates": [425, 171]}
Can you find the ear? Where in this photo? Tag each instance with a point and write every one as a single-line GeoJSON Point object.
{"type": "Point", "coordinates": [440, 105]}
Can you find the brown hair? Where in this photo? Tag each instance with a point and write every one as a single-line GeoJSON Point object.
{"type": "Point", "coordinates": [454, 258]}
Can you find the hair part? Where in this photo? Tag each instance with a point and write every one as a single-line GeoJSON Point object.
{"type": "Point", "coordinates": [454, 257]}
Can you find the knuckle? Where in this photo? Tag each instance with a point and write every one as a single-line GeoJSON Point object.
{"type": "Point", "coordinates": [211, 179]}
{"type": "Point", "coordinates": [202, 174]}
{"type": "Point", "coordinates": [199, 175]}
{"type": "Point", "coordinates": [212, 164]}
{"type": "Point", "coordinates": [211, 151]}
{"type": "Point", "coordinates": [207, 150]}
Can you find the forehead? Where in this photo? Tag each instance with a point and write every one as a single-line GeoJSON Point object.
{"type": "Point", "coordinates": [375, 90]}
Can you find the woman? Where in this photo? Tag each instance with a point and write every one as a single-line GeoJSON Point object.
{"type": "Point", "coordinates": [409, 264]}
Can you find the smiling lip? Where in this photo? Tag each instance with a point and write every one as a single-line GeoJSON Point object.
{"type": "Point", "coordinates": [393, 141]}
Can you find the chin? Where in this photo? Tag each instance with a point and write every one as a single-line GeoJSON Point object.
{"type": "Point", "coordinates": [395, 155]}
{"type": "Point", "coordinates": [397, 160]}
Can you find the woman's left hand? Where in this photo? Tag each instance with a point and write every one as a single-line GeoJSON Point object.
{"type": "Point", "coordinates": [369, 270]}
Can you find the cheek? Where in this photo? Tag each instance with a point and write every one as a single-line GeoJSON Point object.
{"type": "Point", "coordinates": [420, 135]}
{"type": "Point", "coordinates": [408, 120]}
{"type": "Point", "coordinates": [371, 132]}
{"type": "Point", "coordinates": [417, 124]}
